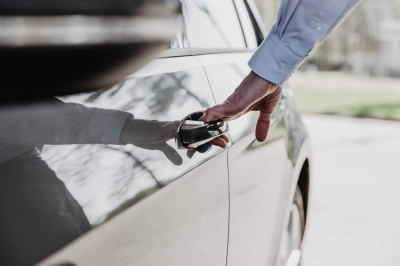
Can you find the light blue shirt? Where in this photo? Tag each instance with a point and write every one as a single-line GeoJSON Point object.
{"type": "Point", "coordinates": [301, 25]}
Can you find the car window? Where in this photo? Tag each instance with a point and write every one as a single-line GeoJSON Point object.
{"type": "Point", "coordinates": [180, 40]}
{"type": "Point", "coordinates": [247, 24]}
{"type": "Point", "coordinates": [212, 24]}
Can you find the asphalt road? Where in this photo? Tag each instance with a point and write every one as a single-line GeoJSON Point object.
{"type": "Point", "coordinates": [355, 199]}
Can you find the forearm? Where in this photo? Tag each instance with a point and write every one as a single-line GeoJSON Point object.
{"type": "Point", "coordinates": [301, 25]}
{"type": "Point", "coordinates": [58, 123]}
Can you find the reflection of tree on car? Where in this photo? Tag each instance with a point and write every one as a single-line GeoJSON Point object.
{"type": "Point", "coordinates": [130, 170]}
{"type": "Point", "coordinates": [156, 93]}
{"type": "Point", "coordinates": [37, 209]}
{"type": "Point", "coordinates": [67, 141]}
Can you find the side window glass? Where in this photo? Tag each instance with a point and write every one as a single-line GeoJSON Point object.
{"type": "Point", "coordinates": [213, 24]}
{"type": "Point", "coordinates": [248, 29]}
{"type": "Point", "coordinates": [180, 40]}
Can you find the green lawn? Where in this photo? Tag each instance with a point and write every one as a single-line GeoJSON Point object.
{"type": "Point", "coordinates": [344, 94]}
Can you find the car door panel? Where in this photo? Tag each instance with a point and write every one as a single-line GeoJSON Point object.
{"type": "Point", "coordinates": [146, 208]}
{"type": "Point", "coordinates": [260, 174]}
{"type": "Point", "coordinates": [184, 223]}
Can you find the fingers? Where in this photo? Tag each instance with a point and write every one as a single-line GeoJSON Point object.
{"type": "Point", "coordinates": [263, 123]}
{"type": "Point", "coordinates": [225, 138]}
{"type": "Point", "coordinates": [213, 113]}
{"type": "Point", "coordinates": [190, 153]}
{"type": "Point", "coordinates": [221, 141]}
{"type": "Point", "coordinates": [248, 94]}
{"type": "Point", "coordinates": [266, 106]}
{"type": "Point", "coordinates": [170, 153]}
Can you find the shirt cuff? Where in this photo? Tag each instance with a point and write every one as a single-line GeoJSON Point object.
{"type": "Point", "coordinates": [106, 126]}
{"type": "Point", "coordinates": [274, 60]}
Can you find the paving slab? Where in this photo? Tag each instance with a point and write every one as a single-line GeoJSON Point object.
{"type": "Point", "coordinates": [354, 214]}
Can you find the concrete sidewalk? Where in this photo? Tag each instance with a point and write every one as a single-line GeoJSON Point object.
{"type": "Point", "coordinates": [355, 198]}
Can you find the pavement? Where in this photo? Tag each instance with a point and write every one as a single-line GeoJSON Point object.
{"type": "Point", "coordinates": [354, 217]}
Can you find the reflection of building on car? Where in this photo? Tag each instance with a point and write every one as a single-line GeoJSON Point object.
{"type": "Point", "coordinates": [145, 210]}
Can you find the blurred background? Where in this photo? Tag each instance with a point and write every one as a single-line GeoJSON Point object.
{"type": "Point", "coordinates": [349, 93]}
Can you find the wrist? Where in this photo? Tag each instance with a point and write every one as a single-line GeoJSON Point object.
{"type": "Point", "coordinates": [260, 82]}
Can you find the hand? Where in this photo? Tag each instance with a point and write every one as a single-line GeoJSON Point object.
{"type": "Point", "coordinates": [152, 135]}
{"type": "Point", "coordinates": [253, 94]}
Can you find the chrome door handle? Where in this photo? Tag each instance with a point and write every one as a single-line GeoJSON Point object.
{"type": "Point", "coordinates": [194, 134]}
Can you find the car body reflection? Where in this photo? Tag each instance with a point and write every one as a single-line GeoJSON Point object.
{"type": "Point", "coordinates": [52, 151]}
{"type": "Point", "coordinates": [127, 170]}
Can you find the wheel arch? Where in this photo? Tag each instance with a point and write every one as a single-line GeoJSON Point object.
{"type": "Point", "coordinates": [304, 184]}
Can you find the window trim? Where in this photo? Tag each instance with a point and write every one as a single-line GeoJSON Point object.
{"type": "Point", "coordinates": [240, 23]}
{"type": "Point", "coordinates": [256, 21]}
{"type": "Point", "coordinates": [179, 52]}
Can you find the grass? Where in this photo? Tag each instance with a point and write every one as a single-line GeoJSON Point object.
{"type": "Point", "coordinates": [344, 94]}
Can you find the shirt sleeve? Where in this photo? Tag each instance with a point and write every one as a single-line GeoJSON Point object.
{"type": "Point", "coordinates": [300, 26]}
{"type": "Point", "coordinates": [55, 122]}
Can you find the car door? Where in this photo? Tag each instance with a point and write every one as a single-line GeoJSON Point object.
{"type": "Point", "coordinates": [146, 203]}
{"type": "Point", "coordinates": [260, 174]}
{"type": "Point", "coordinates": [148, 207]}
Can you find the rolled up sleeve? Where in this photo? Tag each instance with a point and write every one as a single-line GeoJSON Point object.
{"type": "Point", "coordinates": [300, 26]}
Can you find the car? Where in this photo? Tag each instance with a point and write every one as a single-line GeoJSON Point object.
{"type": "Point", "coordinates": [127, 176]}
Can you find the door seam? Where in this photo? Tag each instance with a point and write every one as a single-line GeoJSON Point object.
{"type": "Point", "coordinates": [208, 80]}
{"type": "Point", "coordinates": [229, 207]}
{"type": "Point", "coordinates": [227, 167]}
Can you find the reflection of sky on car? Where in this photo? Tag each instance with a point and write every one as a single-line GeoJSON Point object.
{"type": "Point", "coordinates": [135, 95]}
{"type": "Point", "coordinates": [128, 170]}
{"type": "Point", "coordinates": [221, 30]}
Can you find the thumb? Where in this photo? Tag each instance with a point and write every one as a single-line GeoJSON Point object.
{"type": "Point", "coordinates": [208, 116]}
{"type": "Point", "coordinates": [263, 123]}
{"type": "Point", "coordinates": [213, 113]}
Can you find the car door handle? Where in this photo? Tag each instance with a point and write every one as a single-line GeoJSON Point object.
{"type": "Point", "coordinates": [194, 134]}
